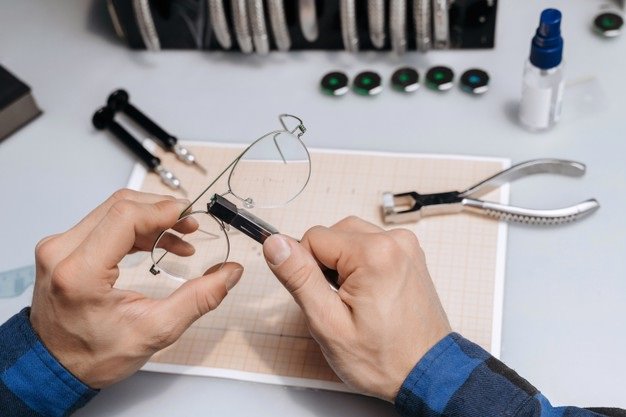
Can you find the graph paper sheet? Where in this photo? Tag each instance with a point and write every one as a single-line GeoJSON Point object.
{"type": "Point", "coordinates": [258, 332]}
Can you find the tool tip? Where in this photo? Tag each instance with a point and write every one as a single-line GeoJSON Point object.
{"type": "Point", "coordinates": [200, 167]}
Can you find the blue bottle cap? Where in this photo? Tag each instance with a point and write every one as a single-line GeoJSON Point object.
{"type": "Point", "coordinates": [546, 50]}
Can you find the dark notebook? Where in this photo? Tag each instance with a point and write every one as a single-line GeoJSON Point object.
{"type": "Point", "coordinates": [17, 105]}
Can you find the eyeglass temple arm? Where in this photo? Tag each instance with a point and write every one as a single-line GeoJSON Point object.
{"type": "Point", "coordinates": [195, 200]}
{"type": "Point", "coordinates": [282, 119]}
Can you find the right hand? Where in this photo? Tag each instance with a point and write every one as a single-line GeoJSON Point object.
{"type": "Point", "coordinates": [386, 314]}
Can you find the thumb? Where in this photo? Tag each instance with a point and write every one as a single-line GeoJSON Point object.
{"type": "Point", "coordinates": [198, 296]}
{"type": "Point", "coordinates": [299, 273]}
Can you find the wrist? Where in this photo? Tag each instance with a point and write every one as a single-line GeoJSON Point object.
{"type": "Point", "coordinates": [458, 377]}
{"type": "Point", "coordinates": [60, 347]}
{"type": "Point", "coordinates": [33, 375]}
{"type": "Point", "coordinates": [426, 345]}
{"type": "Point", "coordinates": [418, 385]}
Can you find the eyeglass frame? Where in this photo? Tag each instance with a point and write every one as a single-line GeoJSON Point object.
{"type": "Point", "coordinates": [300, 128]}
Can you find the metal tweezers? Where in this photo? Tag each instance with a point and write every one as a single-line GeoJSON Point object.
{"type": "Point", "coordinates": [411, 206]}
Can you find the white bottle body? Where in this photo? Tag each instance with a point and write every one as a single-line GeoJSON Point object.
{"type": "Point", "coordinates": [542, 96]}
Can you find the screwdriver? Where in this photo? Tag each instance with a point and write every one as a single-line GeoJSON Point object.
{"type": "Point", "coordinates": [119, 101]}
{"type": "Point", "coordinates": [103, 120]}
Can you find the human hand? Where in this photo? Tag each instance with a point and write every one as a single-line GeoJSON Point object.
{"type": "Point", "coordinates": [102, 334]}
{"type": "Point", "coordinates": [386, 314]}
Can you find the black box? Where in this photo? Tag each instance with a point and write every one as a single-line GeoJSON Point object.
{"type": "Point", "coordinates": [17, 105]}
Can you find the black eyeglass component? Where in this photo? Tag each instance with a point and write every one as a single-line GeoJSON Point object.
{"type": "Point", "coordinates": [334, 83]}
{"type": "Point", "coordinates": [367, 83]}
{"type": "Point", "coordinates": [405, 79]}
{"type": "Point", "coordinates": [440, 78]}
{"type": "Point", "coordinates": [240, 219]}
{"type": "Point", "coordinates": [475, 81]}
{"type": "Point", "coordinates": [608, 24]}
{"type": "Point", "coordinates": [252, 226]}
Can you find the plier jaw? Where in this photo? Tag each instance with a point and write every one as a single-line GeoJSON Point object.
{"type": "Point", "coordinates": [411, 206]}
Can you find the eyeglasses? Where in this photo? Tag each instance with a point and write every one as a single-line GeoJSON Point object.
{"type": "Point", "coordinates": [269, 173]}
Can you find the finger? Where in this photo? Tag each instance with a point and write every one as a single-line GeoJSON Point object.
{"type": "Point", "coordinates": [328, 247]}
{"type": "Point", "coordinates": [187, 224]}
{"type": "Point", "coordinates": [181, 229]}
{"type": "Point", "coordinates": [46, 255]}
{"type": "Point", "coordinates": [92, 219]}
{"type": "Point", "coordinates": [198, 296]}
{"type": "Point", "coordinates": [406, 239]}
{"type": "Point", "coordinates": [298, 271]}
{"type": "Point", "coordinates": [116, 234]}
{"type": "Point", "coordinates": [67, 242]}
{"type": "Point", "coordinates": [356, 224]}
{"type": "Point", "coordinates": [176, 245]}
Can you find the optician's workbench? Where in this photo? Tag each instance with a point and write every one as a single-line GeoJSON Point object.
{"type": "Point", "coordinates": [565, 290]}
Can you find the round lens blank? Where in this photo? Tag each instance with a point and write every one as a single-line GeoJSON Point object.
{"type": "Point", "coordinates": [271, 172]}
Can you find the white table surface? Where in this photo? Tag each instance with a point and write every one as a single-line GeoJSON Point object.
{"type": "Point", "coordinates": [565, 291]}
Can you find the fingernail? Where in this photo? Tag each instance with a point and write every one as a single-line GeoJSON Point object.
{"type": "Point", "coordinates": [183, 201]}
{"type": "Point", "coordinates": [233, 278]}
{"type": "Point", "coordinates": [277, 250]}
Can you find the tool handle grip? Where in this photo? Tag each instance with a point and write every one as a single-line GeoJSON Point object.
{"type": "Point", "coordinates": [119, 100]}
{"type": "Point", "coordinates": [523, 169]}
{"type": "Point", "coordinates": [134, 145]}
{"type": "Point", "coordinates": [531, 216]}
{"type": "Point", "coordinates": [168, 141]}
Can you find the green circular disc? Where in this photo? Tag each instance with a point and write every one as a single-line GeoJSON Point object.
{"type": "Point", "coordinates": [405, 79]}
{"type": "Point", "coordinates": [334, 83]}
{"type": "Point", "coordinates": [608, 24]}
{"type": "Point", "coordinates": [440, 78]}
{"type": "Point", "coordinates": [367, 83]}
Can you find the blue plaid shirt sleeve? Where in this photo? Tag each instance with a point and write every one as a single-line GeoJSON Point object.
{"type": "Point", "coordinates": [459, 378]}
{"type": "Point", "coordinates": [32, 381]}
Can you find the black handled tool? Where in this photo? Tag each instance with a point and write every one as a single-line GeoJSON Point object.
{"type": "Point", "coordinates": [103, 119]}
{"type": "Point", "coordinates": [119, 101]}
{"type": "Point", "coordinates": [253, 227]}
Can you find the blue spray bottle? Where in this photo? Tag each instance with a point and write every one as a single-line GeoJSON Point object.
{"type": "Point", "coordinates": [543, 84]}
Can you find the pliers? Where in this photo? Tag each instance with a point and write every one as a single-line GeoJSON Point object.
{"type": "Point", "coordinates": [412, 206]}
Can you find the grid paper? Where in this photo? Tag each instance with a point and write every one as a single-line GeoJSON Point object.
{"type": "Point", "coordinates": [258, 332]}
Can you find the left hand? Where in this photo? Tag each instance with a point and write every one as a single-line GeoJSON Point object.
{"type": "Point", "coordinates": [102, 334]}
